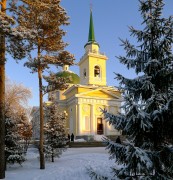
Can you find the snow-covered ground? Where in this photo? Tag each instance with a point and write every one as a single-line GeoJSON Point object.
{"type": "Point", "coordinates": [71, 166]}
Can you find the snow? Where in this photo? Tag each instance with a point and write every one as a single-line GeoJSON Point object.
{"type": "Point", "coordinates": [79, 140]}
{"type": "Point", "coordinates": [99, 137]}
{"type": "Point", "coordinates": [95, 138]}
{"type": "Point", "coordinates": [72, 165]}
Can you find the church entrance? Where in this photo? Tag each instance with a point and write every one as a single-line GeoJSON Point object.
{"type": "Point", "coordinates": [99, 126]}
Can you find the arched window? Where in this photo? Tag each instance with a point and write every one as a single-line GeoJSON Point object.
{"type": "Point", "coordinates": [84, 73]}
{"type": "Point", "coordinates": [96, 71]}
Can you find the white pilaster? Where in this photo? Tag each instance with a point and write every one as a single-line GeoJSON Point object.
{"type": "Point", "coordinates": [105, 124]}
{"type": "Point", "coordinates": [93, 123]}
{"type": "Point", "coordinates": [79, 119]}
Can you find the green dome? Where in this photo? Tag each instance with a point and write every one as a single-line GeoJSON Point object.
{"type": "Point", "coordinates": [74, 78]}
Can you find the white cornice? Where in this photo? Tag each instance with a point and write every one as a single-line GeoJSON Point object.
{"type": "Point", "coordinates": [100, 56]}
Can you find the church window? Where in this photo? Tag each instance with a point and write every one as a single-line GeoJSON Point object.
{"type": "Point", "coordinates": [87, 123]}
{"type": "Point", "coordinates": [96, 71]}
{"type": "Point", "coordinates": [99, 126]}
{"type": "Point", "coordinates": [84, 73]}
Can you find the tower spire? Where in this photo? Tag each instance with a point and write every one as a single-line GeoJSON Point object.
{"type": "Point", "coordinates": [91, 36]}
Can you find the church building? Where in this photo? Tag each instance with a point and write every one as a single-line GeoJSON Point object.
{"type": "Point", "coordinates": [88, 93]}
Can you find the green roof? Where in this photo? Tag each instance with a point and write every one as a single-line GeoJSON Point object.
{"type": "Point", "coordinates": [74, 78]}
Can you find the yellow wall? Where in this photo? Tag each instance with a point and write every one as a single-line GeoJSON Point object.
{"type": "Point", "coordinates": [61, 93]}
{"type": "Point", "coordinates": [84, 65]}
{"type": "Point", "coordinates": [99, 94]}
{"type": "Point", "coordinates": [92, 58]}
{"type": "Point", "coordinates": [71, 93]}
{"type": "Point", "coordinates": [92, 47]}
{"type": "Point", "coordinates": [91, 109]}
{"type": "Point", "coordinates": [71, 111]}
{"type": "Point", "coordinates": [95, 61]}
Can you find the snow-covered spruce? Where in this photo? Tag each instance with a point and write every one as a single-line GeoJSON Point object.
{"type": "Point", "coordinates": [13, 148]}
{"type": "Point", "coordinates": [15, 159]}
{"type": "Point", "coordinates": [55, 132]}
{"type": "Point", "coordinates": [147, 111]}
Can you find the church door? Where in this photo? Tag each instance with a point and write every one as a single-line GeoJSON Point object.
{"type": "Point", "coordinates": [99, 126]}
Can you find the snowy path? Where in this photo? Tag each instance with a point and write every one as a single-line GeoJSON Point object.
{"type": "Point", "coordinates": [71, 166]}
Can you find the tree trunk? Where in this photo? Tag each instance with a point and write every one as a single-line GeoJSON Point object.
{"type": "Point", "coordinates": [52, 154]}
{"type": "Point", "coordinates": [2, 99]}
{"type": "Point", "coordinates": [42, 161]}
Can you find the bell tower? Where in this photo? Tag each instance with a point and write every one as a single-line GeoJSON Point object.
{"type": "Point", "coordinates": [92, 65]}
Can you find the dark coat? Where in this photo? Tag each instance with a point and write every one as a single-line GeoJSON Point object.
{"type": "Point", "coordinates": [118, 140]}
{"type": "Point", "coordinates": [72, 137]}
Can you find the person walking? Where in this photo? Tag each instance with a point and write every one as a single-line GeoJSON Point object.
{"type": "Point", "coordinates": [72, 137]}
{"type": "Point", "coordinates": [118, 140]}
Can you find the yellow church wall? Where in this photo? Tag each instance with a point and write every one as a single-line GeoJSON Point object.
{"type": "Point", "coordinates": [72, 116]}
{"type": "Point", "coordinates": [71, 93]}
{"type": "Point", "coordinates": [92, 47]}
{"type": "Point", "coordinates": [86, 112]}
{"type": "Point", "coordinates": [93, 115]}
{"type": "Point", "coordinates": [95, 61]}
{"type": "Point", "coordinates": [82, 109]}
{"type": "Point", "coordinates": [91, 59]}
{"type": "Point", "coordinates": [91, 111]}
{"type": "Point", "coordinates": [84, 65]}
{"type": "Point", "coordinates": [98, 94]}
{"type": "Point", "coordinates": [82, 89]}
{"type": "Point", "coordinates": [98, 108]}
{"type": "Point", "coordinates": [60, 94]}
{"type": "Point", "coordinates": [68, 121]}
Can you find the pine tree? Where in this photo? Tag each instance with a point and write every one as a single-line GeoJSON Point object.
{"type": "Point", "coordinates": [55, 132]}
{"type": "Point", "coordinates": [12, 37]}
{"type": "Point", "coordinates": [147, 116]}
{"type": "Point", "coordinates": [46, 18]}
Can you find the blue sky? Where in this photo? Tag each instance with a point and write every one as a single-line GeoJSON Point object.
{"type": "Point", "coordinates": [111, 21]}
